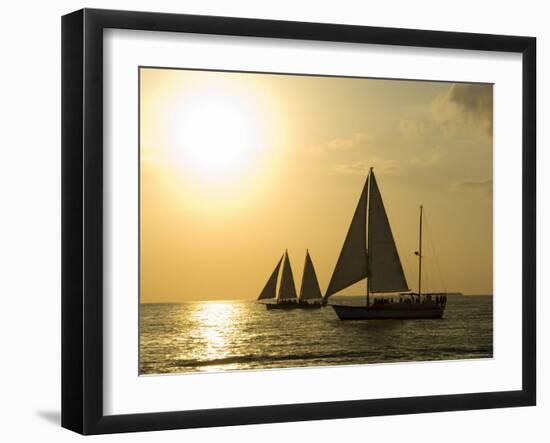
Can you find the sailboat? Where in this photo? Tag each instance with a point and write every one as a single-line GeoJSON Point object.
{"type": "Point", "coordinates": [369, 252]}
{"type": "Point", "coordinates": [310, 292]}
{"type": "Point", "coordinates": [286, 297]}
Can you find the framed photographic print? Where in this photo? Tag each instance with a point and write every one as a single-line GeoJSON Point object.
{"type": "Point", "coordinates": [269, 221]}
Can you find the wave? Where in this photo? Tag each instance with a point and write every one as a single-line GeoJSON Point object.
{"type": "Point", "coordinates": [255, 358]}
{"type": "Point", "coordinates": [341, 357]}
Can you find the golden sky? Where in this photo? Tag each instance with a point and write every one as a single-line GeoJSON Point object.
{"type": "Point", "coordinates": [236, 168]}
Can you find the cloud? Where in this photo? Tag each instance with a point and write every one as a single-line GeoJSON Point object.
{"type": "Point", "coordinates": [476, 185]}
{"type": "Point", "coordinates": [466, 103]}
{"type": "Point", "coordinates": [474, 98]}
{"type": "Point", "coordinates": [414, 127]}
{"type": "Point", "coordinates": [357, 141]}
{"type": "Point", "coordinates": [432, 160]}
{"type": "Point", "coordinates": [380, 165]}
{"type": "Point", "coordinates": [469, 105]}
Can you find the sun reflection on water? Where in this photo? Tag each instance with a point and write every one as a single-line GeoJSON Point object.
{"type": "Point", "coordinates": [214, 325]}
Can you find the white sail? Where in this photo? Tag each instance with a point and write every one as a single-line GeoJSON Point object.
{"type": "Point", "coordinates": [385, 270]}
{"type": "Point", "coordinates": [310, 289]}
{"type": "Point", "coordinates": [351, 266]}
{"type": "Point", "coordinates": [270, 289]}
{"type": "Point", "coordinates": [287, 289]}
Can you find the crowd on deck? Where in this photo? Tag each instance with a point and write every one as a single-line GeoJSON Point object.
{"type": "Point", "coordinates": [440, 299]}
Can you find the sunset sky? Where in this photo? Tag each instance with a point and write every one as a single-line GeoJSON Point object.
{"type": "Point", "coordinates": [236, 168]}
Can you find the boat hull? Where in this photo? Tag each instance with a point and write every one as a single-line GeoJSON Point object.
{"type": "Point", "coordinates": [293, 305]}
{"type": "Point", "coordinates": [393, 312]}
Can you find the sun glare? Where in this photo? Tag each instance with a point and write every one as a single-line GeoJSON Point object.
{"type": "Point", "coordinates": [216, 134]}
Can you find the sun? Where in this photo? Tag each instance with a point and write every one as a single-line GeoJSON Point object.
{"type": "Point", "coordinates": [216, 134]}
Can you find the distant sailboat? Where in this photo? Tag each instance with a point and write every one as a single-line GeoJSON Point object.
{"type": "Point", "coordinates": [369, 252]}
{"type": "Point", "coordinates": [310, 292]}
{"type": "Point", "coordinates": [286, 297]}
{"type": "Point", "coordinates": [287, 289]}
{"type": "Point", "coordinates": [270, 289]}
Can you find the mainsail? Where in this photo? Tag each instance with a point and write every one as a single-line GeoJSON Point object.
{"type": "Point", "coordinates": [287, 289]}
{"type": "Point", "coordinates": [351, 266]}
{"type": "Point", "coordinates": [310, 289]}
{"type": "Point", "coordinates": [385, 270]}
{"type": "Point", "coordinates": [270, 289]}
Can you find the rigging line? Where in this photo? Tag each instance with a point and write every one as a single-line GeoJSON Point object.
{"type": "Point", "coordinates": [408, 266]}
{"type": "Point", "coordinates": [409, 270]}
{"type": "Point", "coordinates": [429, 259]}
{"type": "Point", "coordinates": [426, 275]}
{"type": "Point", "coordinates": [432, 247]}
{"type": "Point", "coordinates": [426, 281]}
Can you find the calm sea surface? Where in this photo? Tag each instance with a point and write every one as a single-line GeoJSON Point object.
{"type": "Point", "coordinates": [236, 335]}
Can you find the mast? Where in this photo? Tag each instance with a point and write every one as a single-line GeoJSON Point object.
{"type": "Point", "coordinates": [420, 255]}
{"type": "Point", "coordinates": [367, 252]}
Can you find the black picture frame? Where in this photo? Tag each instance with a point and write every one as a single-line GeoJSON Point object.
{"type": "Point", "coordinates": [82, 218]}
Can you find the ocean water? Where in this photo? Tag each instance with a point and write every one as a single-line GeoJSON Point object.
{"type": "Point", "coordinates": [238, 335]}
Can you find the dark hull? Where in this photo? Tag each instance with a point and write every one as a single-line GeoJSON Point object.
{"type": "Point", "coordinates": [293, 305]}
{"type": "Point", "coordinates": [395, 311]}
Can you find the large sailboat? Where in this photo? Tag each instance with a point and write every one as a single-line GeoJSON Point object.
{"type": "Point", "coordinates": [286, 297]}
{"type": "Point", "coordinates": [369, 252]}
